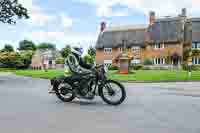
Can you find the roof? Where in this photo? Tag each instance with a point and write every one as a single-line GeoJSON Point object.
{"type": "Point", "coordinates": [127, 27]}
{"type": "Point", "coordinates": [167, 29]}
{"type": "Point", "coordinates": [195, 29]}
{"type": "Point", "coordinates": [116, 36]}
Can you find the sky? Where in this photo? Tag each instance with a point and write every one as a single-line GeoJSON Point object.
{"type": "Point", "coordinates": [77, 22]}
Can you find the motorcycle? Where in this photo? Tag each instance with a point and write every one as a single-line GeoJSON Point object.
{"type": "Point", "coordinates": [87, 86]}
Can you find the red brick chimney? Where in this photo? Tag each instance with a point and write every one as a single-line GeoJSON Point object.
{"type": "Point", "coordinates": [103, 26]}
{"type": "Point", "coordinates": [152, 17]}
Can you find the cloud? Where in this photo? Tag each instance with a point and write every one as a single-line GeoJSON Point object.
{"type": "Point", "coordinates": [61, 38]}
{"type": "Point", "coordinates": [38, 17]}
{"type": "Point", "coordinates": [26, 3]}
{"type": "Point", "coordinates": [66, 21]}
{"type": "Point", "coordinates": [162, 8]}
{"type": "Point", "coordinates": [108, 12]}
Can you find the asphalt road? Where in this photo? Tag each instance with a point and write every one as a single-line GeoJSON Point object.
{"type": "Point", "coordinates": [26, 107]}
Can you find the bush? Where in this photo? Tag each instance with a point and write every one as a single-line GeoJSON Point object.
{"type": "Point", "coordinates": [148, 62]}
{"type": "Point", "coordinates": [7, 69]}
{"type": "Point", "coordinates": [113, 67]}
{"type": "Point", "coordinates": [137, 67]}
{"type": "Point", "coordinates": [194, 67]}
{"type": "Point", "coordinates": [60, 60]}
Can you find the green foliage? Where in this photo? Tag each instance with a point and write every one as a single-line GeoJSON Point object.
{"type": "Point", "coordinates": [65, 51]}
{"type": "Point", "coordinates": [148, 62]}
{"type": "Point", "coordinates": [60, 60]}
{"type": "Point", "coordinates": [137, 67]}
{"type": "Point", "coordinates": [88, 59]}
{"type": "Point", "coordinates": [46, 46]}
{"type": "Point", "coordinates": [11, 60]}
{"type": "Point", "coordinates": [186, 54]}
{"type": "Point", "coordinates": [92, 51]}
{"type": "Point", "coordinates": [194, 67]}
{"type": "Point", "coordinates": [7, 48]}
{"type": "Point", "coordinates": [113, 67]}
{"type": "Point", "coordinates": [26, 57]}
{"type": "Point", "coordinates": [27, 45]}
{"type": "Point", "coordinates": [10, 10]}
{"type": "Point", "coordinates": [7, 69]}
{"type": "Point", "coordinates": [195, 52]}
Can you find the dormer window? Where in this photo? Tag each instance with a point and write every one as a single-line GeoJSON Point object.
{"type": "Point", "coordinates": [121, 49]}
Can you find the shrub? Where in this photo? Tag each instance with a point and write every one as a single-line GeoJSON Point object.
{"type": "Point", "coordinates": [7, 69]}
{"type": "Point", "coordinates": [148, 62]}
{"type": "Point", "coordinates": [113, 67]}
{"type": "Point", "coordinates": [137, 67]}
{"type": "Point", "coordinates": [194, 67]}
{"type": "Point", "coordinates": [60, 60]}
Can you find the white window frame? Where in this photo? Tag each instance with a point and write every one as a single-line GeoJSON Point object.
{"type": "Point", "coordinates": [135, 61]}
{"type": "Point", "coordinates": [195, 60]}
{"type": "Point", "coordinates": [108, 50]}
{"type": "Point", "coordinates": [159, 61]}
{"type": "Point", "coordinates": [120, 49]}
{"type": "Point", "coordinates": [159, 46]}
{"type": "Point", "coordinates": [107, 62]}
{"type": "Point", "coordinates": [196, 45]}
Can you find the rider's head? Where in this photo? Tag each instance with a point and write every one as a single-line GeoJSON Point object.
{"type": "Point", "coordinates": [77, 50]}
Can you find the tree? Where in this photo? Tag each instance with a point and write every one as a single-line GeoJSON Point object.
{"type": "Point", "coordinates": [92, 51]}
{"type": "Point", "coordinates": [11, 60]}
{"type": "Point", "coordinates": [46, 46]}
{"type": "Point", "coordinates": [7, 48]}
{"type": "Point", "coordinates": [10, 10]}
{"type": "Point", "coordinates": [65, 51]}
{"type": "Point", "coordinates": [27, 45]}
{"type": "Point", "coordinates": [88, 59]}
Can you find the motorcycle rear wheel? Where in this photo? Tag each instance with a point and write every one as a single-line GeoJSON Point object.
{"type": "Point", "coordinates": [64, 92]}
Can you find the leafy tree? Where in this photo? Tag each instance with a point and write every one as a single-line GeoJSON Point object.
{"type": "Point", "coordinates": [46, 46]}
{"type": "Point", "coordinates": [92, 51]}
{"type": "Point", "coordinates": [11, 60]}
{"type": "Point", "coordinates": [10, 10]}
{"type": "Point", "coordinates": [88, 59]}
{"type": "Point", "coordinates": [65, 51]}
{"type": "Point", "coordinates": [60, 60]}
{"type": "Point", "coordinates": [7, 48]}
{"type": "Point", "coordinates": [27, 45]}
{"type": "Point", "coordinates": [26, 57]}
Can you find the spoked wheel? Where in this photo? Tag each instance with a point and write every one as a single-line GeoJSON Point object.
{"type": "Point", "coordinates": [113, 92]}
{"type": "Point", "coordinates": [64, 92]}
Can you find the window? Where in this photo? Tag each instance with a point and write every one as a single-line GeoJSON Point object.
{"type": "Point", "coordinates": [136, 49]}
{"type": "Point", "coordinates": [135, 61]}
{"type": "Point", "coordinates": [196, 45]}
{"type": "Point", "coordinates": [195, 60]}
{"type": "Point", "coordinates": [108, 50]}
{"type": "Point", "coordinates": [121, 49]}
{"type": "Point", "coordinates": [107, 62]}
{"type": "Point", "coordinates": [159, 61]}
{"type": "Point", "coordinates": [158, 46]}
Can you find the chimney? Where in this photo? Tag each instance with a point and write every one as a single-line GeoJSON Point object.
{"type": "Point", "coordinates": [152, 17]}
{"type": "Point", "coordinates": [103, 26]}
{"type": "Point", "coordinates": [184, 12]}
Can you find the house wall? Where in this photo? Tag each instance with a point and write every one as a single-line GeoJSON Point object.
{"type": "Point", "coordinates": [147, 52]}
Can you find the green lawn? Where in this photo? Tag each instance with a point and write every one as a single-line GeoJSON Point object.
{"type": "Point", "coordinates": [140, 75]}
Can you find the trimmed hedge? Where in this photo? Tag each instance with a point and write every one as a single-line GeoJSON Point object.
{"type": "Point", "coordinates": [7, 69]}
{"type": "Point", "coordinates": [194, 67]}
{"type": "Point", "coordinates": [137, 67]}
{"type": "Point", "coordinates": [113, 67]}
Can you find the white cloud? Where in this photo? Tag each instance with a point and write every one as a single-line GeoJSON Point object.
{"type": "Point", "coordinates": [66, 21]}
{"type": "Point", "coordinates": [63, 38]}
{"type": "Point", "coordinates": [26, 3]}
{"type": "Point", "coordinates": [162, 8]}
{"type": "Point", "coordinates": [108, 12]}
{"type": "Point", "coordinates": [38, 17]}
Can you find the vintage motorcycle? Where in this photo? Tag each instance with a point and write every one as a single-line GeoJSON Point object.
{"type": "Point", "coordinates": [88, 86]}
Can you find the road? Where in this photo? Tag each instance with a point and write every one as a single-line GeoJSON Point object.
{"type": "Point", "coordinates": [26, 107]}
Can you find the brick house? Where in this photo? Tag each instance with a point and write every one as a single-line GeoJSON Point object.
{"type": "Point", "coordinates": [162, 41]}
{"type": "Point", "coordinates": [43, 56]}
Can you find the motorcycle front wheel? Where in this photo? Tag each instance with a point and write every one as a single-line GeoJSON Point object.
{"type": "Point", "coordinates": [112, 92]}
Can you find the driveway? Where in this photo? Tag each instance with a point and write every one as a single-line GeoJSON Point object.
{"type": "Point", "coordinates": [26, 107]}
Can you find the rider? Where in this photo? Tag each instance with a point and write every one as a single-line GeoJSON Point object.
{"type": "Point", "coordinates": [76, 64]}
